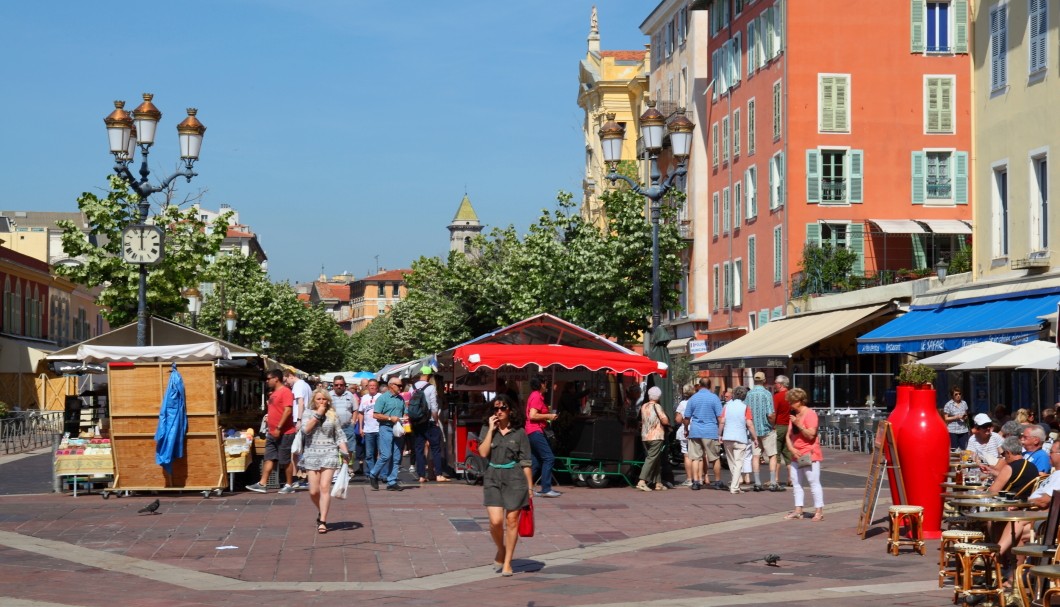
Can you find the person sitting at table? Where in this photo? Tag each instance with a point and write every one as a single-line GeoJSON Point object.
{"type": "Point", "coordinates": [1019, 475]}
{"type": "Point", "coordinates": [1040, 498]}
{"type": "Point", "coordinates": [983, 443]}
{"type": "Point", "coordinates": [1033, 437]}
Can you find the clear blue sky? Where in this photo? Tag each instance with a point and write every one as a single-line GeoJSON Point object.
{"type": "Point", "coordinates": [340, 130]}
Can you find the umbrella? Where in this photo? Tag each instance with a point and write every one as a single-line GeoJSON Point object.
{"type": "Point", "coordinates": [1026, 354]}
{"type": "Point", "coordinates": [172, 423]}
{"type": "Point", "coordinates": [980, 363]}
{"type": "Point", "coordinates": [364, 375]}
{"type": "Point", "coordinates": [964, 354]}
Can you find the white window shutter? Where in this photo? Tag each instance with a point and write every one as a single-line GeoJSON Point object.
{"type": "Point", "coordinates": [855, 160]}
{"type": "Point", "coordinates": [959, 8]}
{"type": "Point", "coordinates": [960, 178]}
{"type": "Point", "coordinates": [842, 99]}
{"type": "Point", "coordinates": [827, 110]}
{"type": "Point", "coordinates": [916, 27]}
{"type": "Point", "coordinates": [946, 105]}
{"type": "Point", "coordinates": [752, 59]}
{"type": "Point", "coordinates": [778, 28]}
{"type": "Point", "coordinates": [933, 102]}
{"type": "Point", "coordinates": [918, 185]}
{"type": "Point", "coordinates": [813, 175]}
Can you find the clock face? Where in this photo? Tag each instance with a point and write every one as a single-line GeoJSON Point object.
{"type": "Point", "coordinates": [141, 244]}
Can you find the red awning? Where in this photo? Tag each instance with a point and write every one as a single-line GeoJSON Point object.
{"type": "Point", "coordinates": [494, 356]}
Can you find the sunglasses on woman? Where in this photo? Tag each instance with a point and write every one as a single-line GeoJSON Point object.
{"type": "Point", "coordinates": [501, 408]}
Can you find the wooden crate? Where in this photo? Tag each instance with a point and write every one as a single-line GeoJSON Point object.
{"type": "Point", "coordinates": [135, 395]}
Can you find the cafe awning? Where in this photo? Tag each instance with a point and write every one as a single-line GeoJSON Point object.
{"type": "Point", "coordinates": [898, 226]}
{"type": "Point", "coordinates": [1012, 320]}
{"type": "Point", "coordinates": [946, 226]}
{"type": "Point", "coordinates": [495, 356]}
{"type": "Point", "coordinates": [772, 345]}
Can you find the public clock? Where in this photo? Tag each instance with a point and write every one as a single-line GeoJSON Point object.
{"type": "Point", "coordinates": [142, 244]}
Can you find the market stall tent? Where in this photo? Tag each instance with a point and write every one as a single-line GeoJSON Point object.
{"type": "Point", "coordinates": [495, 356]}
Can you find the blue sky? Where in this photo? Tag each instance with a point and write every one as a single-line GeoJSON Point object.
{"type": "Point", "coordinates": [340, 130]}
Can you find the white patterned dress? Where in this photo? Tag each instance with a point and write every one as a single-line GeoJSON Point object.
{"type": "Point", "coordinates": [321, 446]}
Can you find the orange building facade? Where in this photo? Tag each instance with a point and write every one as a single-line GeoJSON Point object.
{"type": "Point", "coordinates": [831, 123]}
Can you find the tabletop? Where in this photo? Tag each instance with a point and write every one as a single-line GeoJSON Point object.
{"type": "Point", "coordinates": [966, 495]}
{"type": "Point", "coordinates": [991, 501]}
{"type": "Point", "coordinates": [998, 516]}
{"type": "Point", "coordinates": [963, 486]}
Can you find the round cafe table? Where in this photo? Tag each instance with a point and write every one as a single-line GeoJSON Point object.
{"type": "Point", "coordinates": [992, 503]}
{"type": "Point", "coordinates": [950, 496]}
{"type": "Point", "coordinates": [1009, 516]}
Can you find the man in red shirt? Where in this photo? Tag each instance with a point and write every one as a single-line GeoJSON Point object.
{"type": "Point", "coordinates": [279, 433]}
{"type": "Point", "coordinates": [783, 419]}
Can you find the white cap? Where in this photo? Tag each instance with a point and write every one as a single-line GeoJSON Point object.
{"type": "Point", "coordinates": [982, 419]}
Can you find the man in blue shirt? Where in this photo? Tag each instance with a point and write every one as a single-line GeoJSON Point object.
{"type": "Point", "coordinates": [1032, 438]}
{"type": "Point", "coordinates": [701, 422]}
{"type": "Point", "coordinates": [389, 410]}
{"type": "Point", "coordinates": [760, 402]}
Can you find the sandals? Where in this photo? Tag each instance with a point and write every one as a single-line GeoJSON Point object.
{"type": "Point", "coordinates": [322, 528]}
{"type": "Point", "coordinates": [793, 516]}
{"type": "Point", "coordinates": [442, 479]}
{"type": "Point", "coordinates": [818, 517]}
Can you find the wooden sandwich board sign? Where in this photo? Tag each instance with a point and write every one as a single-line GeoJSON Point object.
{"type": "Point", "coordinates": [883, 445]}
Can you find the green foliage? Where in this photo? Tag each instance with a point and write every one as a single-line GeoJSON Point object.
{"type": "Point", "coordinates": [962, 260]}
{"type": "Point", "coordinates": [681, 373]}
{"type": "Point", "coordinates": [4, 409]}
{"type": "Point", "coordinates": [188, 243]}
{"type": "Point", "coordinates": [916, 374]}
{"type": "Point", "coordinates": [599, 279]}
{"type": "Point", "coordinates": [375, 346]}
{"type": "Point", "coordinates": [826, 268]}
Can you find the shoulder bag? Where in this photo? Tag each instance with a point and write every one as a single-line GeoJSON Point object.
{"type": "Point", "coordinates": [526, 520]}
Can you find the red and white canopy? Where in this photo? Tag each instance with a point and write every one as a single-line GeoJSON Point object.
{"type": "Point", "coordinates": [495, 356]}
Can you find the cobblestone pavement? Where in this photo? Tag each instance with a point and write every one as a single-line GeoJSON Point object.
{"type": "Point", "coordinates": [428, 545]}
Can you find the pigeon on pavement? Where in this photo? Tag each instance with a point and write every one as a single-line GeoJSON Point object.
{"type": "Point", "coordinates": [771, 559]}
{"type": "Point", "coordinates": [150, 508]}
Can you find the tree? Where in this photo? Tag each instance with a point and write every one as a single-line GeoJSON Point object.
{"type": "Point", "coordinates": [189, 242]}
{"type": "Point", "coordinates": [825, 268]}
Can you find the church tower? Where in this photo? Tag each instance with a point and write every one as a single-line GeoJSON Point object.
{"type": "Point", "coordinates": [464, 228]}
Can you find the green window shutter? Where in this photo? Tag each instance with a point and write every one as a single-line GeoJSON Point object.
{"type": "Point", "coordinates": [855, 169]}
{"type": "Point", "coordinates": [828, 103]}
{"type": "Point", "coordinates": [813, 176]}
{"type": "Point", "coordinates": [752, 263]}
{"type": "Point", "coordinates": [772, 202]}
{"type": "Point", "coordinates": [919, 159]}
{"type": "Point", "coordinates": [945, 89]}
{"type": "Point", "coordinates": [960, 178]}
{"type": "Point", "coordinates": [919, 259]}
{"type": "Point", "coordinates": [781, 190]}
{"type": "Point", "coordinates": [916, 28]}
{"type": "Point", "coordinates": [960, 25]}
{"type": "Point", "coordinates": [813, 233]}
{"type": "Point", "coordinates": [934, 113]}
{"type": "Point", "coordinates": [856, 243]}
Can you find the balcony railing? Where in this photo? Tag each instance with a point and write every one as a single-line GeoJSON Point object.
{"type": "Point", "coordinates": [685, 229]}
{"type": "Point", "coordinates": [939, 188]}
{"type": "Point", "coordinates": [833, 190]}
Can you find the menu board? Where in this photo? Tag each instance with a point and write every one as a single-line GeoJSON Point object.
{"type": "Point", "coordinates": [883, 449]}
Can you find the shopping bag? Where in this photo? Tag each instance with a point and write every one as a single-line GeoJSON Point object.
{"type": "Point", "coordinates": [526, 520]}
{"type": "Point", "coordinates": [296, 446]}
{"type": "Point", "coordinates": [342, 481]}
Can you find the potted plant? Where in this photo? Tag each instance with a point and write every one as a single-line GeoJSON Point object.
{"type": "Point", "coordinates": [916, 374]}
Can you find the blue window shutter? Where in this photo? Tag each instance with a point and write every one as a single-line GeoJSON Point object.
{"type": "Point", "coordinates": [960, 178]}
{"type": "Point", "coordinates": [813, 233]}
{"type": "Point", "coordinates": [855, 158]}
{"type": "Point", "coordinates": [916, 29]}
{"type": "Point", "coordinates": [960, 26]}
{"type": "Point", "coordinates": [856, 243]}
{"type": "Point", "coordinates": [813, 176]}
{"type": "Point", "coordinates": [919, 159]}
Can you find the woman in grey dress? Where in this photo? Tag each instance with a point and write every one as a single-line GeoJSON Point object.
{"type": "Point", "coordinates": [323, 441]}
{"type": "Point", "coordinates": [507, 484]}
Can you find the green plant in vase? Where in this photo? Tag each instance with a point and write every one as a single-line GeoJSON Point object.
{"type": "Point", "coordinates": [916, 374]}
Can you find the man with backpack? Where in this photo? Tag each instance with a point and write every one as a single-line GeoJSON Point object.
{"type": "Point", "coordinates": [426, 429]}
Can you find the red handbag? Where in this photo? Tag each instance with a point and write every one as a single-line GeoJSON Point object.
{"type": "Point", "coordinates": [526, 520]}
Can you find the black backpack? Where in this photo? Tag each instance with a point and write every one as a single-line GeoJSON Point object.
{"type": "Point", "coordinates": [419, 410]}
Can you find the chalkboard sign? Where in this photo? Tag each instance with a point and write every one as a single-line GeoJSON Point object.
{"type": "Point", "coordinates": [883, 445]}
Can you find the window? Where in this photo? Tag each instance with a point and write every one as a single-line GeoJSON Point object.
{"type": "Point", "coordinates": [939, 26]}
{"type": "Point", "coordinates": [776, 110]}
{"type": "Point", "coordinates": [752, 48]}
{"type": "Point", "coordinates": [1039, 204]}
{"type": "Point", "coordinates": [714, 144]}
{"type": "Point", "coordinates": [727, 272]}
{"type": "Point", "coordinates": [1038, 25]}
{"type": "Point", "coordinates": [999, 210]}
{"type": "Point", "coordinates": [760, 40]}
{"type": "Point", "coordinates": [750, 127]}
{"type": "Point", "coordinates": [735, 58]}
{"type": "Point", "coordinates": [16, 314]}
{"type": "Point", "coordinates": [938, 104]}
{"type": "Point", "coordinates": [735, 133]}
{"type": "Point", "coordinates": [669, 40]}
{"type": "Point", "coordinates": [717, 286]}
{"type": "Point", "coordinates": [737, 204]}
{"type": "Point", "coordinates": [751, 262]}
{"type": "Point", "coordinates": [834, 105]}
{"type": "Point", "coordinates": [940, 177]}
{"type": "Point", "coordinates": [680, 27]}
{"type": "Point", "coordinates": [737, 283]}
{"type": "Point", "coordinates": [998, 47]}
{"type": "Point", "coordinates": [725, 139]}
{"type": "Point", "coordinates": [726, 211]}
{"type": "Point", "coordinates": [767, 35]}
{"type": "Point", "coordinates": [834, 176]}
{"type": "Point", "coordinates": [776, 181]}
{"type": "Point", "coordinates": [8, 304]}
{"type": "Point", "coordinates": [751, 185]}
{"type": "Point", "coordinates": [778, 255]}
{"type": "Point", "coordinates": [714, 214]}
{"type": "Point", "coordinates": [778, 28]}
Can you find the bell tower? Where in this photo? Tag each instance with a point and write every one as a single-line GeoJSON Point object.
{"type": "Point", "coordinates": [464, 227]}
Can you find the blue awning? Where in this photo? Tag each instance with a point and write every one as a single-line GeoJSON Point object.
{"type": "Point", "coordinates": [1013, 320]}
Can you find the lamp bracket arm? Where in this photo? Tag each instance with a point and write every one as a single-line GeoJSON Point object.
{"type": "Point", "coordinates": [614, 176]}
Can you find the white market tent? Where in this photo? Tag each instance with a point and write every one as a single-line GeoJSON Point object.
{"type": "Point", "coordinates": [182, 352]}
{"type": "Point", "coordinates": [1026, 354]}
{"type": "Point", "coordinates": [971, 352]}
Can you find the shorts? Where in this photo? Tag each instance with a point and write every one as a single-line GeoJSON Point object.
{"type": "Point", "coordinates": [279, 449]}
{"type": "Point", "coordinates": [710, 448]}
{"type": "Point", "coordinates": [768, 444]}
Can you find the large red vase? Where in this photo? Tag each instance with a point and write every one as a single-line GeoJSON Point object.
{"type": "Point", "coordinates": [896, 419]}
{"type": "Point", "coordinates": [924, 454]}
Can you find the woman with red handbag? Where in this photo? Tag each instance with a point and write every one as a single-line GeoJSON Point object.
{"type": "Point", "coordinates": [508, 481]}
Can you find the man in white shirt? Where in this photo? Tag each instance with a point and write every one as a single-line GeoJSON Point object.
{"type": "Point", "coordinates": [345, 404]}
{"type": "Point", "coordinates": [369, 424]}
{"type": "Point", "coordinates": [983, 443]}
{"type": "Point", "coordinates": [303, 396]}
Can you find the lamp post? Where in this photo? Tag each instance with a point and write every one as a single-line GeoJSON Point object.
{"type": "Point", "coordinates": [941, 267]}
{"type": "Point", "coordinates": [194, 298]}
{"type": "Point", "coordinates": [231, 319]}
{"type": "Point", "coordinates": [143, 244]}
{"type": "Point", "coordinates": [652, 128]}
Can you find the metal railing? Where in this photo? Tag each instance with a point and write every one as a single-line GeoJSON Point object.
{"type": "Point", "coordinates": [845, 390]}
{"type": "Point", "coordinates": [28, 430]}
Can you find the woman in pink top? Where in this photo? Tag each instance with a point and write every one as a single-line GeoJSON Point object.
{"type": "Point", "coordinates": [537, 417]}
{"type": "Point", "coordinates": [804, 439]}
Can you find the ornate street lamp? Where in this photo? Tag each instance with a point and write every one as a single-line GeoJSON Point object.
{"type": "Point", "coordinates": [194, 298]}
{"type": "Point", "coordinates": [144, 244]}
{"type": "Point", "coordinates": [231, 319]}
